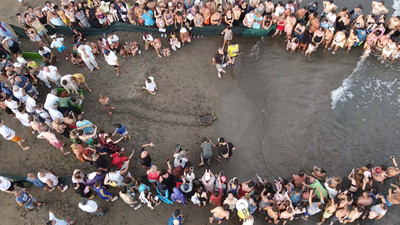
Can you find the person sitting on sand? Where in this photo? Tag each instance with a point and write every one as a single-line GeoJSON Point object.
{"type": "Point", "coordinates": [151, 86]}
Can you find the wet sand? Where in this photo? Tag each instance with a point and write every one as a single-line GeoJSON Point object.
{"type": "Point", "coordinates": [279, 126]}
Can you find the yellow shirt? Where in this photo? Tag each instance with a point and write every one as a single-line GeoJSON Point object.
{"type": "Point", "coordinates": [233, 50]}
{"type": "Point", "coordinates": [79, 77]}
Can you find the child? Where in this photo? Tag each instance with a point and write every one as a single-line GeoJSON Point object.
{"type": "Point", "coordinates": [292, 45]}
{"type": "Point", "coordinates": [59, 44]}
{"type": "Point", "coordinates": [21, 59]}
{"type": "Point", "coordinates": [134, 48]}
{"type": "Point", "coordinates": [125, 51]}
{"type": "Point", "coordinates": [166, 52]}
{"type": "Point", "coordinates": [174, 42]}
{"type": "Point", "coordinates": [77, 60]}
{"type": "Point", "coordinates": [311, 48]}
{"type": "Point", "coordinates": [120, 129]}
{"type": "Point", "coordinates": [105, 102]}
{"type": "Point", "coordinates": [228, 35]}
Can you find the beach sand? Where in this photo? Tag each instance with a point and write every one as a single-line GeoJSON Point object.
{"type": "Point", "coordinates": [188, 88]}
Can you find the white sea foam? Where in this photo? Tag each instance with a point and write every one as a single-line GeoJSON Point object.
{"type": "Point", "coordinates": [396, 7]}
{"type": "Point", "coordinates": [343, 93]}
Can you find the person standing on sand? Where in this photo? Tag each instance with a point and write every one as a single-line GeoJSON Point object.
{"type": "Point", "coordinates": [88, 58]}
{"type": "Point", "coordinates": [105, 101]}
{"type": "Point", "coordinates": [52, 182]}
{"type": "Point", "coordinates": [79, 80]}
{"type": "Point", "coordinates": [112, 60]}
{"type": "Point", "coordinates": [25, 200]}
{"type": "Point", "coordinates": [228, 36]}
{"type": "Point", "coordinates": [53, 220]}
{"type": "Point", "coordinates": [91, 206]}
{"type": "Point", "coordinates": [52, 139]}
{"type": "Point", "coordinates": [177, 218]}
{"type": "Point", "coordinates": [219, 61]}
{"type": "Point", "coordinates": [10, 135]}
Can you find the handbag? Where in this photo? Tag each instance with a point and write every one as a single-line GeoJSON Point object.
{"type": "Point", "coordinates": [111, 183]}
{"type": "Point", "coordinates": [227, 153]}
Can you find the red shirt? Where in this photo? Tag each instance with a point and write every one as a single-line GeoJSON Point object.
{"type": "Point", "coordinates": [118, 160]}
{"type": "Point", "coordinates": [216, 200]}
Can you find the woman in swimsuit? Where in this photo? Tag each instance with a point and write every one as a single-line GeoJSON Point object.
{"type": "Point", "coordinates": [328, 37]}
{"type": "Point", "coordinates": [258, 18]}
{"type": "Point", "coordinates": [299, 31]}
{"type": "Point", "coordinates": [396, 53]}
{"type": "Point", "coordinates": [388, 49]}
{"type": "Point", "coordinates": [101, 17]}
{"type": "Point", "coordinates": [157, 46]}
{"type": "Point", "coordinates": [373, 37]}
{"type": "Point", "coordinates": [338, 41]}
{"type": "Point", "coordinates": [318, 37]}
{"type": "Point", "coordinates": [351, 40]}
{"type": "Point", "coordinates": [228, 18]}
{"type": "Point", "coordinates": [289, 25]}
{"type": "Point", "coordinates": [280, 25]}
{"type": "Point", "coordinates": [359, 23]}
{"type": "Point", "coordinates": [168, 17]}
{"type": "Point", "coordinates": [236, 15]}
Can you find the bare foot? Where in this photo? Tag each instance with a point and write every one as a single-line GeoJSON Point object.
{"type": "Point", "coordinates": [66, 153]}
{"type": "Point", "coordinates": [26, 148]}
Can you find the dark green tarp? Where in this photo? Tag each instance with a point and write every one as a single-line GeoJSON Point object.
{"type": "Point", "coordinates": [67, 179]}
{"type": "Point", "coordinates": [117, 26]}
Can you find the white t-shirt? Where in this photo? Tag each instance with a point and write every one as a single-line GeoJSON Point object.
{"type": "Point", "coordinates": [21, 60]}
{"type": "Point", "coordinates": [46, 51]}
{"type": "Point", "coordinates": [378, 209]}
{"type": "Point", "coordinates": [48, 176]}
{"type": "Point", "coordinates": [13, 105]}
{"type": "Point", "coordinates": [86, 49]}
{"type": "Point", "coordinates": [57, 43]}
{"type": "Point", "coordinates": [113, 39]}
{"type": "Point", "coordinates": [54, 114]}
{"type": "Point", "coordinates": [50, 100]}
{"type": "Point", "coordinates": [111, 58]}
{"type": "Point", "coordinates": [90, 207]}
{"type": "Point", "coordinates": [23, 118]}
{"type": "Point", "coordinates": [5, 184]}
{"type": "Point", "coordinates": [69, 82]}
{"type": "Point", "coordinates": [151, 86]}
{"type": "Point", "coordinates": [30, 104]}
{"type": "Point", "coordinates": [58, 221]}
{"type": "Point", "coordinates": [52, 74]}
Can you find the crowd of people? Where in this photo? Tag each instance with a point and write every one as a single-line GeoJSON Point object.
{"type": "Point", "coordinates": [301, 196]}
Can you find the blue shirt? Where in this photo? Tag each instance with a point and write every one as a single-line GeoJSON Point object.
{"type": "Point", "coordinates": [171, 220]}
{"type": "Point", "coordinates": [148, 19]}
{"type": "Point", "coordinates": [121, 130]}
{"type": "Point", "coordinates": [36, 182]}
{"type": "Point", "coordinates": [82, 123]}
{"type": "Point", "coordinates": [24, 197]}
{"type": "Point", "coordinates": [22, 83]}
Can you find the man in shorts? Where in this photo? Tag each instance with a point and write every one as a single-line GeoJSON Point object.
{"type": "Point", "coordinates": [59, 44]}
{"type": "Point", "coordinates": [24, 199]}
{"type": "Point", "coordinates": [206, 153]}
{"type": "Point", "coordinates": [9, 186]}
{"type": "Point", "coordinates": [220, 60]}
{"type": "Point", "coordinates": [52, 139]}
{"type": "Point", "coordinates": [52, 182]}
{"type": "Point", "coordinates": [10, 135]}
{"type": "Point", "coordinates": [219, 214]}
{"type": "Point", "coordinates": [79, 79]}
{"type": "Point", "coordinates": [112, 60]}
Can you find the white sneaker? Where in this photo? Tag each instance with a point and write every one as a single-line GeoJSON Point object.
{"type": "Point", "coordinates": [114, 198]}
{"type": "Point", "coordinates": [65, 188]}
{"type": "Point", "coordinates": [219, 76]}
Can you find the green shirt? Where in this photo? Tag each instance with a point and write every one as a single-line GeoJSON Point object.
{"type": "Point", "coordinates": [323, 190]}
